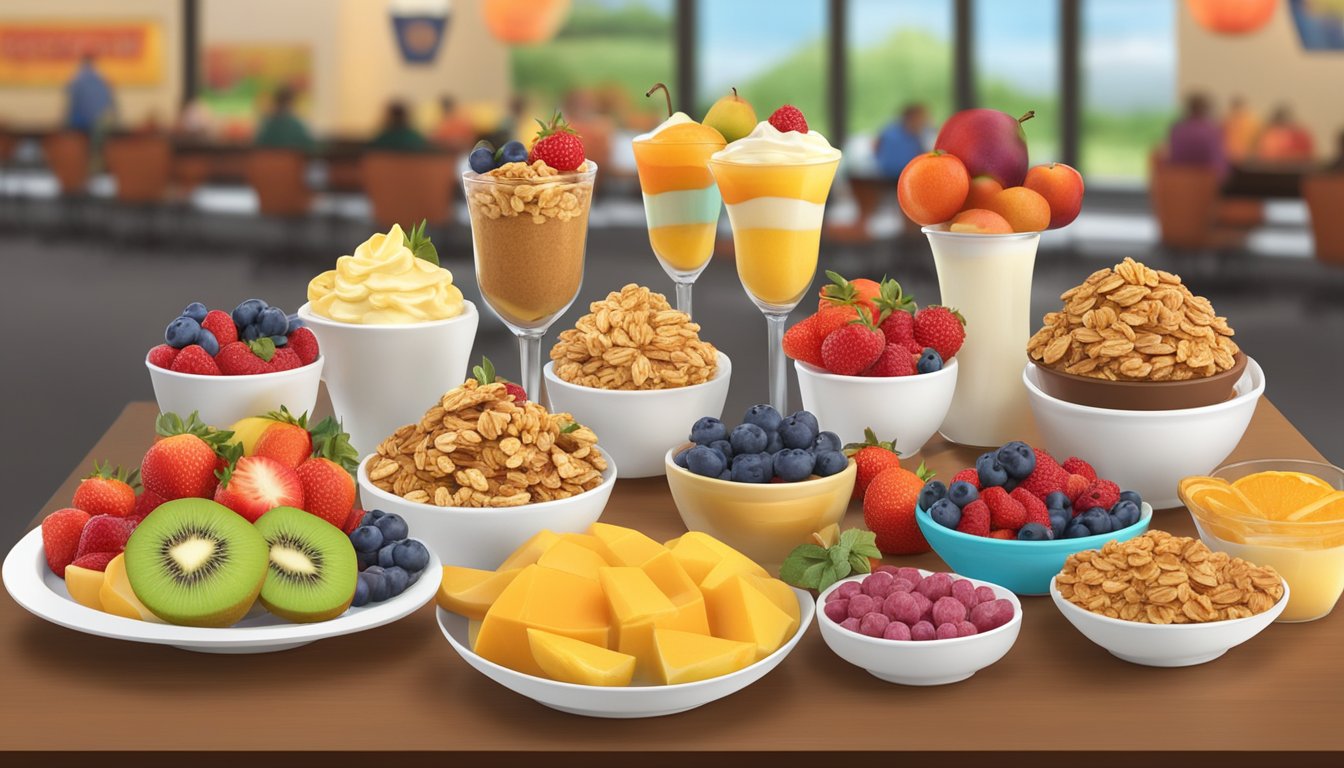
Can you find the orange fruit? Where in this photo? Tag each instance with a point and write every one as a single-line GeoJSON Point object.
{"type": "Point", "coordinates": [1280, 494]}
{"type": "Point", "coordinates": [1024, 208]}
{"type": "Point", "coordinates": [1225, 500]}
{"type": "Point", "coordinates": [933, 187]}
{"type": "Point", "coordinates": [1327, 509]}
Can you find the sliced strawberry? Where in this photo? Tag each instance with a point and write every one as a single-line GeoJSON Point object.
{"type": "Point", "coordinates": [104, 533]}
{"type": "Point", "coordinates": [256, 485]}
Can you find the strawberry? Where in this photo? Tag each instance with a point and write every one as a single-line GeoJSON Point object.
{"type": "Point", "coordinates": [889, 510]}
{"type": "Point", "coordinates": [872, 457]}
{"type": "Point", "coordinates": [851, 348]}
{"type": "Point", "coordinates": [519, 394]}
{"type": "Point", "coordinates": [327, 478]}
{"type": "Point", "coordinates": [789, 118]}
{"type": "Point", "coordinates": [899, 328]}
{"type": "Point", "coordinates": [803, 342]}
{"type": "Point", "coordinates": [108, 491]}
{"type": "Point", "coordinates": [254, 485]}
{"type": "Point", "coordinates": [352, 520]}
{"type": "Point", "coordinates": [1046, 478]}
{"type": "Point", "coordinates": [1076, 466]}
{"type": "Point", "coordinates": [1004, 511]}
{"type": "Point", "coordinates": [162, 356]}
{"type": "Point", "coordinates": [304, 343]}
{"type": "Point", "coordinates": [1035, 507]}
{"type": "Point", "coordinates": [860, 292]}
{"type": "Point", "coordinates": [557, 145]}
{"type": "Point", "coordinates": [895, 361]}
{"type": "Point", "coordinates": [221, 324]}
{"type": "Point", "coordinates": [95, 561]}
{"type": "Point", "coordinates": [146, 502]}
{"type": "Point", "coordinates": [244, 358]}
{"type": "Point", "coordinates": [60, 537]}
{"type": "Point", "coordinates": [104, 533]}
{"type": "Point", "coordinates": [1003, 533]}
{"type": "Point", "coordinates": [1074, 488]}
{"type": "Point", "coordinates": [285, 359]}
{"type": "Point", "coordinates": [975, 518]}
{"type": "Point", "coordinates": [1100, 493]}
{"type": "Point", "coordinates": [967, 475]}
{"type": "Point", "coordinates": [485, 374]}
{"type": "Point", "coordinates": [182, 464]}
{"type": "Point", "coordinates": [195, 360]}
{"type": "Point", "coordinates": [286, 440]}
{"type": "Point", "coordinates": [942, 329]}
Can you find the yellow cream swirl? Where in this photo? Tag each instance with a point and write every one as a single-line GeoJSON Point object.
{"type": "Point", "coordinates": [384, 283]}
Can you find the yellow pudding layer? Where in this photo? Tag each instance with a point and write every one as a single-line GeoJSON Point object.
{"type": "Point", "coordinates": [776, 265]}
{"type": "Point", "coordinates": [739, 182]}
{"type": "Point", "coordinates": [683, 246]}
{"type": "Point", "coordinates": [383, 283]}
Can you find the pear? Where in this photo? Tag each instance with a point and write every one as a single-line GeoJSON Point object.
{"type": "Point", "coordinates": [731, 116]}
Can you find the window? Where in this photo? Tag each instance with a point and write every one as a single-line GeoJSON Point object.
{"type": "Point", "coordinates": [1016, 61]}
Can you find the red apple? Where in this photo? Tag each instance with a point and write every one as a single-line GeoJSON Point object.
{"type": "Point", "coordinates": [989, 142]}
{"type": "Point", "coordinates": [1062, 188]}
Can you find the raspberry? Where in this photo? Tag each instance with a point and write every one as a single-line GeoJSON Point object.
{"type": "Point", "coordinates": [837, 610]}
{"type": "Point", "coordinates": [991, 615]}
{"type": "Point", "coordinates": [902, 607]}
{"type": "Point", "coordinates": [935, 587]}
{"type": "Point", "coordinates": [1003, 533]}
{"type": "Point", "coordinates": [1074, 488]}
{"type": "Point", "coordinates": [896, 631]}
{"type": "Point", "coordinates": [948, 610]}
{"type": "Point", "coordinates": [975, 518]}
{"type": "Point", "coordinates": [1076, 466]}
{"type": "Point", "coordinates": [964, 590]}
{"type": "Point", "coordinates": [1101, 493]}
{"type": "Point", "coordinates": [923, 630]}
{"type": "Point", "coordinates": [788, 118]}
{"type": "Point", "coordinates": [1005, 513]}
{"type": "Point", "coordinates": [946, 631]}
{"type": "Point", "coordinates": [967, 475]}
{"type": "Point", "coordinates": [1036, 511]}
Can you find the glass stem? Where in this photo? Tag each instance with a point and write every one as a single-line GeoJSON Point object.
{"type": "Point", "coordinates": [529, 355]}
{"type": "Point", "coordinates": [684, 297]}
{"type": "Point", "coordinates": [779, 373]}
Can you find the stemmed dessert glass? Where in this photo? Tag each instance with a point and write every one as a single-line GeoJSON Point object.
{"type": "Point", "coordinates": [681, 206]}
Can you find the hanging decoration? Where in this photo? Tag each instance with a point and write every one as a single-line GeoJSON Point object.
{"type": "Point", "coordinates": [1232, 17]}
{"type": "Point", "coordinates": [525, 22]}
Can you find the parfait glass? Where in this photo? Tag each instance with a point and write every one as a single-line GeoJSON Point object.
{"type": "Point", "coordinates": [681, 206]}
{"type": "Point", "coordinates": [529, 236]}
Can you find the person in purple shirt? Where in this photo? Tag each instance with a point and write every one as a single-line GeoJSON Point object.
{"type": "Point", "coordinates": [1197, 138]}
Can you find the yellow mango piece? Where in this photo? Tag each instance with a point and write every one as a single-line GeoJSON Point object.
{"type": "Point", "coordinates": [636, 605]}
{"type": "Point", "coordinates": [530, 551]}
{"type": "Point", "coordinates": [674, 582]}
{"type": "Point", "coordinates": [542, 598]}
{"type": "Point", "coordinates": [565, 555]}
{"type": "Point", "coordinates": [741, 611]}
{"type": "Point", "coordinates": [624, 546]}
{"type": "Point", "coordinates": [733, 564]}
{"type": "Point", "coordinates": [470, 591]}
{"type": "Point", "coordinates": [118, 598]}
{"type": "Point", "coordinates": [685, 657]}
{"type": "Point", "coordinates": [84, 584]}
{"type": "Point", "coordinates": [696, 556]}
{"type": "Point", "coordinates": [586, 540]}
{"type": "Point", "coordinates": [670, 543]}
{"type": "Point", "coordinates": [572, 661]}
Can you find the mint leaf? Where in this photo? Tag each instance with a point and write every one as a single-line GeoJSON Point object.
{"type": "Point", "coordinates": [838, 554]}
{"type": "Point", "coordinates": [812, 576]}
{"type": "Point", "coordinates": [859, 563]}
{"type": "Point", "coordinates": [829, 575]}
{"type": "Point", "coordinates": [572, 426]}
{"type": "Point", "coordinates": [263, 348]}
{"type": "Point", "coordinates": [485, 372]}
{"type": "Point", "coordinates": [420, 244]}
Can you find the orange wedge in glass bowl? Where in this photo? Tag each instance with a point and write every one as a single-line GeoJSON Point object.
{"type": "Point", "coordinates": [1279, 495]}
{"type": "Point", "coordinates": [1327, 509]}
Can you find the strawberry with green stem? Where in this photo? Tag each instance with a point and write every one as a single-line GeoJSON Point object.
{"type": "Point", "coordinates": [557, 145]}
{"type": "Point", "coordinates": [108, 490]}
{"type": "Point", "coordinates": [182, 464]}
{"type": "Point", "coordinates": [852, 348]}
{"type": "Point", "coordinates": [485, 374]}
{"type": "Point", "coordinates": [327, 476]}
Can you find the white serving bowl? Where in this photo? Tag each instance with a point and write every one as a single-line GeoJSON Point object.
{"type": "Point", "coordinates": [481, 537]}
{"type": "Point", "coordinates": [627, 702]}
{"type": "Point", "coordinates": [1147, 451]}
{"type": "Point", "coordinates": [635, 427]}
{"type": "Point", "coordinates": [1165, 645]}
{"type": "Point", "coordinates": [921, 662]}
{"type": "Point", "coordinates": [222, 400]}
{"type": "Point", "coordinates": [908, 409]}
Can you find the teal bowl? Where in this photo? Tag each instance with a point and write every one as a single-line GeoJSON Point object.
{"type": "Point", "coordinates": [1025, 567]}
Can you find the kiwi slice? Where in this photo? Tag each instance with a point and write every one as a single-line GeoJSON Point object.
{"type": "Point", "coordinates": [196, 562]}
{"type": "Point", "coordinates": [312, 571]}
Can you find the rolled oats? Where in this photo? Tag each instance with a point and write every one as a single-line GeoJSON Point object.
{"type": "Point", "coordinates": [550, 194]}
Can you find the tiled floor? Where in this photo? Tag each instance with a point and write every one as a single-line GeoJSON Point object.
{"type": "Point", "coordinates": [80, 310]}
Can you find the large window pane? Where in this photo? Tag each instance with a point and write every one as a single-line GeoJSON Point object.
{"type": "Point", "coordinates": [1016, 45]}
{"type": "Point", "coordinates": [1129, 84]}
{"type": "Point", "coordinates": [773, 51]}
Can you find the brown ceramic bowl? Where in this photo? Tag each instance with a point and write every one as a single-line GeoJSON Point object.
{"type": "Point", "coordinates": [1141, 395]}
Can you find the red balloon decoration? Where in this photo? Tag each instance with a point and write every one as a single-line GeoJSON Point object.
{"type": "Point", "coordinates": [1232, 17]}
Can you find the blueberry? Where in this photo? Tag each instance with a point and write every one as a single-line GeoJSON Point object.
{"type": "Point", "coordinates": [1017, 458]}
{"type": "Point", "coordinates": [680, 458]}
{"type": "Point", "coordinates": [705, 461]}
{"type": "Point", "coordinates": [945, 513]}
{"type": "Point", "coordinates": [931, 492]}
{"type": "Point", "coordinates": [208, 342]}
{"type": "Point", "coordinates": [1077, 529]}
{"type": "Point", "coordinates": [411, 555]}
{"type": "Point", "coordinates": [1059, 500]}
{"type": "Point", "coordinates": [1125, 513]}
{"type": "Point", "coordinates": [962, 493]}
{"type": "Point", "coordinates": [748, 438]}
{"type": "Point", "coordinates": [415, 576]}
{"type": "Point", "coordinates": [793, 464]}
{"type": "Point", "coordinates": [385, 558]}
{"type": "Point", "coordinates": [1132, 496]}
{"type": "Point", "coordinates": [196, 311]}
{"type": "Point", "coordinates": [1034, 532]}
{"type": "Point", "coordinates": [929, 361]}
{"type": "Point", "coordinates": [482, 158]}
{"type": "Point", "coordinates": [724, 448]}
{"type": "Point", "coordinates": [764, 416]}
{"type": "Point", "coordinates": [249, 332]}
{"type": "Point", "coordinates": [272, 322]}
{"type": "Point", "coordinates": [294, 321]}
{"type": "Point", "coordinates": [361, 593]}
{"type": "Point", "coordinates": [366, 559]}
{"type": "Point", "coordinates": [280, 341]}
{"type": "Point", "coordinates": [726, 474]}
{"type": "Point", "coordinates": [707, 429]}
{"type": "Point", "coordinates": [246, 312]}
{"type": "Point", "coordinates": [1009, 484]}
{"type": "Point", "coordinates": [182, 332]}
{"type": "Point", "coordinates": [367, 538]}
{"type": "Point", "coordinates": [753, 468]}
{"type": "Point", "coordinates": [374, 514]}
{"type": "Point", "coordinates": [513, 152]}
{"type": "Point", "coordinates": [775, 443]}
{"type": "Point", "coordinates": [1059, 522]}
{"type": "Point", "coordinates": [989, 469]}
{"type": "Point", "coordinates": [826, 441]}
{"type": "Point", "coordinates": [1097, 520]}
{"type": "Point", "coordinates": [830, 463]}
{"type": "Point", "coordinates": [377, 584]}
{"type": "Point", "coordinates": [393, 527]}
{"type": "Point", "coordinates": [795, 432]}
{"type": "Point", "coordinates": [808, 418]}
{"type": "Point", "coordinates": [397, 580]}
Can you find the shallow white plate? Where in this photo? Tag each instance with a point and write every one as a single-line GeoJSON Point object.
{"type": "Point", "coordinates": [629, 702]}
{"type": "Point", "coordinates": [32, 585]}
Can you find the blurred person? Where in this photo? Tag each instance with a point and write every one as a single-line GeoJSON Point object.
{"type": "Point", "coordinates": [91, 108]}
{"type": "Point", "coordinates": [902, 140]}
{"type": "Point", "coordinates": [454, 129]}
{"type": "Point", "coordinates": [1284, 140]}
{"type": "Point", "coordinates": [282, 129]}
{"type": "Point", "coordinates": [1240, 127]}
{"type": "Point", "coordinates": [397, 134]}
{"type": "Point", "coordinates": [1197, 139]}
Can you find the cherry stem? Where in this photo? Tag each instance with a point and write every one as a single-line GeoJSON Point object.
{"type": "Point", "coordinates": [666, 94]}
{"type": "Point", "coordinates": [1030, 114]}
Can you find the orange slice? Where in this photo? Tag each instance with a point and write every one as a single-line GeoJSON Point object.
{"type": "Point", "coordinates": [1280, 494]}
{"type": "Point", "coordinates": [1329, 508]}
{"type": "Point", "coordinates": [1224, 500]}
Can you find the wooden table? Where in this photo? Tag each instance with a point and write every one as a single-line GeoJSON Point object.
{"type": "Point", "coordinates": [401, 687]}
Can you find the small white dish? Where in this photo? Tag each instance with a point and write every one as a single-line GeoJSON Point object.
{"type": "Point", "coordinates": [481, 537]}
{"type": "Point", "coordinates": [623, 703]}
{"type": "Point", "coordinates": [1165, 645]}
{"type": "Point", "coordinates": [42, 593]}
{"type": "Point", "coordinates": [908, 409]}
{"type": "Point", "coordinates": [921, 662]}
{"type": "Point", "coordinates": [222, 400]}
{"type": "Point", "coordinates": [635, 427]}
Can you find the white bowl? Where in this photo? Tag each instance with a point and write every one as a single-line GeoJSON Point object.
{"type": "Point", "coordinates": [921, 662]}
{"type": "Point", "coordinates": [635, 427]}
{"type": "Point", "coordinates": [627, 702]}
{"type": "Point", "coordinates": [222, 400]}
{"type": "Point", "coordinates": [1147, 451]}
{"type": "Point", "coordinates": [381, 377]}
{"type": "Point", "coordinates": [907, 408]}
{"type": "Point", "coordinates": [1165, 645]}
{"type": "Point", "coordinates": [481, 537]}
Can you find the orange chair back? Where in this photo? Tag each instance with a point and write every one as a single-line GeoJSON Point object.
{"type": "Point", "coordinates": [1324, 193]}
{"type": "Point", "coordinates": [67, 154]}
{"type": "Point", "coordinates": [405, 187]}
{"type": "Point", "coordinates": [279, 177]}
{"type": "Point", "coordinates": [142, 166]}
{"type": "Point", "coordinates": [1184, 200]}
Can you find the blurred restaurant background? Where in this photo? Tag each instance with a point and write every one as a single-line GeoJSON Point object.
{"type": "Point", "coordinates": [157, 152]}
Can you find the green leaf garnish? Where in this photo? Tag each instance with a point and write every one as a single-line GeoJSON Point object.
{"type": "Point", "coordinates": [420, 244]}
{"type": "Point", "coordinates": [572, 426]}
{"type": "Point", "coordinates": [263, 348]}
{"type": "Point", "coordinates": [330, 441]}
{"type": "Point", "coordinates": [485, 372]}
{"type": "Point", "coordinates": [810, 566]}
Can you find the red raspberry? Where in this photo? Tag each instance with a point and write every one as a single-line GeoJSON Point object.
{"type": "Point", "coordinates": [1076, 466]}
{"type": "Point", "coordinates": [1074, 489]}
{"type": "Point", "coordinates": [975, 519]}
{"type": "Point", "coordinates": [968, 475]}
{"type": "Point", "coordinates": [1036, 511]}
{"type": "Point", "coordinates": [1004, 511]}
{"type": "Point", "coordinates": [1046, 478]}
{"type": "Point", "coordinates": [162, 356]}
{"type": "Point", "coordinates": [1003, 533]}
{"type": "Point", "coordinates": [519, 394]}
{"type": "Point", "coordinates": [1101, 493]}
{"type": "Point", "coordinates": [788, 118]}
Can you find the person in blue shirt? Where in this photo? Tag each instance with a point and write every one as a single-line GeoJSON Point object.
{"type": "Point", "coordinates": [90, 99]}
{"type": "Point", "coordinates": [902, 140]}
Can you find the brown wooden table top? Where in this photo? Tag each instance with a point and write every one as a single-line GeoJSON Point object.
{"type": "Point", "coordinates": [401, 687]}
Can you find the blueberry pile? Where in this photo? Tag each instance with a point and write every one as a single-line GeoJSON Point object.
{"type": "Point", "coordinates": [388, 561]}
{"type": "Point", "coordinates": [255, 318]}
{"type": "Point", "coordinates": [484, 158]}
{"type": "Point", "coordinates": [764, 448]}
{"type": "Point", "coordinates": [1065, 524]}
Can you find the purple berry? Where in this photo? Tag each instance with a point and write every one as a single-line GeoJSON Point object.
{"type": "Point", "coordinates": [902, 607]}
{"type": "Point", "coordinates": [878, 585]}
{"type": "Point", "coordinates": [901, 585]}
{"type": "Point", "coordinates": [991, 615]}
{"type": "Point", "coordinates": [984, 594]}
{"type": "Point", "coordinates": [849, 589]}
{"type": "Point", "coordinates": [935, 586]}
{"type": "Point", "coordinates": [946, 631]}
{"type": "Point", "coordinates": [873, 624]}
{"type": "Point", "coordinates": [834, 595]}
{"type": "Point", "coordinates": [911, 575]}
{"type": "Point", "coordinates": [966, 629]}
{"type": "Point", "coordinates": [923, 602]}
{"type": "Point", "coordinates": [859, 605]}
{"type": "Point", "coordinates": [852, 624]}
{"type": "Point", "coordinates": [896, 631]}
{"type": "Point", "coordinates": [923, 630]}
{"type": "Point", "coordinates": [948, 610]}
{"type": "Point", "coordinates": [964, 591]}
{"type": "Point", "coordinates": [837, 611]}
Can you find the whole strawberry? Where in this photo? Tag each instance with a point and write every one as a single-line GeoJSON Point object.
{"type": "Point", "coordinates": [851, 348]}
{"type": "Point", "coordinates": [899, 328]}
{"type": "Point", "coordinates": [871, 458]}
{"type": "Point", "coordinates": [147, 502]}
{"type": "Point", "coordinates": [941, 328]}
{"type": "Point", "coordinates": [968, 475]}
{"type": "Point", "coordinates": [788, 118]}
{"type": "Point", "coordinates": [220, 323]}
{"type": "Point", "coordinates": [195, 360]}
{"type": "Point", "coordinates": [803, 341]}
{"type": "Point", "coordinates": [327, 478]}
{"type": "Point", "coordinates": [975, 518]}
{"type": "Point", "coordinates": [1076, 466]}
{"type": "Point", "coordinates": [1101, 493]}
{"type": "Point", "coordinates": [1035, 507]}
{"type": "Point", "coordinates": [1005, 512]}
{"type": "Point", "coordinates": [860, 292]}
{"type": "Point", "coordinates": [286, 440]}
{"type": "Point", "coordinates": [244, 358]}
{"type": "Point", "coordinates": [285, 359]}
{"type": "Point", "coordinates": [1046, 478]}
{"type": "Point", "coordinates": [108, 491]}
{"type": "Point", "coordinates": [895, 361]}
{"type": "Point", "coordinates": [182, 464]}
{"type": "Point", "coordinates": [162, 356]}
{"type": "Point", "coordinates": [60, 537]}
{"type": "Point", "coordinates": [889, 510]}
{"type": "Point", "coordinates": [304, 344]}
{"type": "Point", "coordinates": [557, 145]}
{"type": "Point", "coordinates": [104, 534]}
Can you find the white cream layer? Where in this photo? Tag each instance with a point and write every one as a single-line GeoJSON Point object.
{"type": "Point", "coordinates": [767, 145]}
{"type": "Point", "coordinates": [683, 206]}
{"type": "Point", "coordinates": [776, 213]}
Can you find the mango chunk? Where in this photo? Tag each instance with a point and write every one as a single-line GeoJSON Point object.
{"type": "Point", "coordinates": [670, 543]}
{"type": "Point", "coordinates": [84, 584]}
{"type": "Point", "coordinates": [732, 565]}
{"type": "Point", "coordinates": [624, 546]}
{"type": "Point", "coordinates": [586, 540]}
{"type": "Point", "coordinates": [542, 598]}
{"type": "Point", "coordinates": [572, 661]}
{"type": "Point", "coordinates": [118, 598]}
{"type": "Point", "coordinates": [470, 591]}
{"type": "Point", "coordinates": [566, 555]}
{"type": "Point", "coordinates": [673, 581]}
{"type": "Point", "coordinates": [530, 551]}
{"type": "Point", "coordinates": [696, 554]}
{"type": "Point", "coordinates": [685, 657]}
{"type": "Point", "coordinates": [780, 594]}
{"type": "Point", "coordinates": [740, 611]}
{"type": "Point", "coordinates": [636, 605]}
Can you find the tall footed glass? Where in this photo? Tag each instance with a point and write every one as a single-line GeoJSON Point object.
{"type": "Point", "coordinates": [529, 233]}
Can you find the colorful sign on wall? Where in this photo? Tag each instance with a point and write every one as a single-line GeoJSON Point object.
{"type": "Point", "coordinates": [238, 80]}
{"type": "Point", "coordinates": [47, 53]}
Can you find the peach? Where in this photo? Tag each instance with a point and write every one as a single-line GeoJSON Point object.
{"type": "Point", "coordinates": [982, 188]}
{"type": "Point", "coordinates": [1062, 187]}
{"type": "Point", "coordinates": [933, 187]}
{"type": "Point", "coordinates": [1024, 209]}
{"type": "Point", "coordinates": [980, 222]}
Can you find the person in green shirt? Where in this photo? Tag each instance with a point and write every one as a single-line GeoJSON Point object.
{"type": "Point", "coordinates": [397, 134]}
{"type": "Point", "coordinates": [281, 129]}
